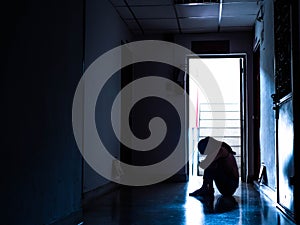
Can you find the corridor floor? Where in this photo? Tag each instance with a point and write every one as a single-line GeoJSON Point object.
{"type": "Point", "coordinates": [170, 203]}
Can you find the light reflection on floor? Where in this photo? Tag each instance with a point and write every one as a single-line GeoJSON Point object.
{"type": "Point", "coordinates": [193, 207]}
{"type": "Point", "coordinates": [206, 210]}
{"type": "Point", "coordinates": [170, 203]}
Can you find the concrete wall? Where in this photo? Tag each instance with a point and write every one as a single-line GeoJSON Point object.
{"type": "Point", "coordinates": [265, 34]}
{"type": "Point", "coordinates": [104, 31]}
{"type": "Point", "coordinates": [41, 64]}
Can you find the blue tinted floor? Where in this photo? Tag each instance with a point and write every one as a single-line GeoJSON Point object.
{"type": "Point", "coordinates": [169, 203]}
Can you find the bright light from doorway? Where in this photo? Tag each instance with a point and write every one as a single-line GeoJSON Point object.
{"type": "Point", "coordinates": [226, 72]}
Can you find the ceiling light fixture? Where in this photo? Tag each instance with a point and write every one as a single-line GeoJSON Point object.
{"type": "Point", "coordinates": [196, 2]}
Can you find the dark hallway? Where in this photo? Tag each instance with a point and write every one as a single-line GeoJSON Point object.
{"type": "Point", "coordinates": [95, 107]}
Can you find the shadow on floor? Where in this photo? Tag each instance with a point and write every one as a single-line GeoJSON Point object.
{"type": "Point", "coordinates": [218, 204]}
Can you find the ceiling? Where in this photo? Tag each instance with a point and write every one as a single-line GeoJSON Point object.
{"type": "Point", "coordinates": [164, 16]}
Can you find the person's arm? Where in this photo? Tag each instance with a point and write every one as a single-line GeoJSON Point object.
{"type": "Point", "coordinates": [223, 153]}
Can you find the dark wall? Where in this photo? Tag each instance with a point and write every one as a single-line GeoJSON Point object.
{"type": "Point", "coordinates": [151, 107]}
{"type": "Point", "coordinates": [265, 34]}
{"type": "Point", "coordinates": [296, 99]}
{"type": "Point", "coordinates": [41, 64]}
{"type": "Point", "coordinates": [104, 31]}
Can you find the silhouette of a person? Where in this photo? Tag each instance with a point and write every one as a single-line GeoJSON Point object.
{"type": "Point", "coordinates": [220, 167]}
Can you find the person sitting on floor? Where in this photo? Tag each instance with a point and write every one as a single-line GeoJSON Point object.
{"type": "Point", "coordinates": [219, 166]}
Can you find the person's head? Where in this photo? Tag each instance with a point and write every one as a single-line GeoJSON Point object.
{"type": "Point", "coordinates": [202, 145]}
{"type": "Point", "coordinates": [209, 147]}
{"type": "Point", "coordinates": [212, 143]}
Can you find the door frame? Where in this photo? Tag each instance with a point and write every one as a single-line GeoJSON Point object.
{"type": "Point", "coordinates": [256, 112]}
{"type": "Point", "coordinates": [243, 110]}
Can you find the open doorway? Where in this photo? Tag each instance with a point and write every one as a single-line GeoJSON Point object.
{"type": "Point", "coordinates": [228, 71]}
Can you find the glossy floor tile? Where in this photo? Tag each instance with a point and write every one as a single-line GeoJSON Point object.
{"type": "Point", "coordinates": [169, 203]}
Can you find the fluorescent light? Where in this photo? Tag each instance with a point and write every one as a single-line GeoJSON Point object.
{"type": "Point", "coordinates": [206, 3]}
{"type": "Point", "coordinates": [196, 2]}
